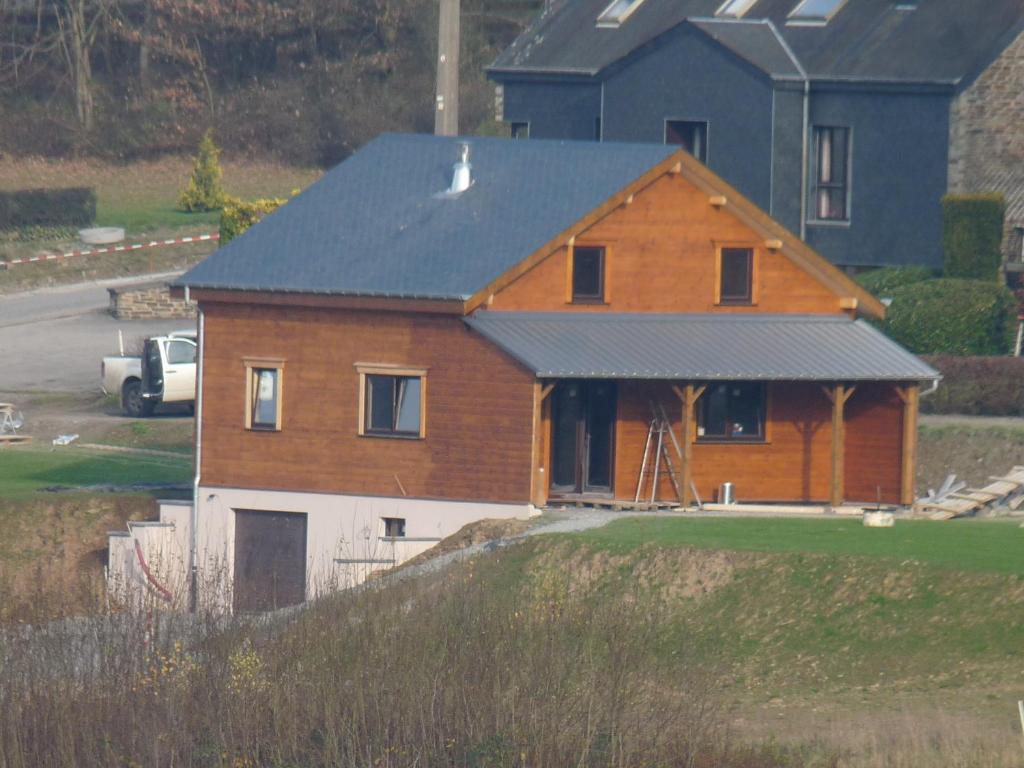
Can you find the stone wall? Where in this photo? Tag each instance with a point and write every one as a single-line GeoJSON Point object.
{"type": "Point", "coordinates": [986, 148]}
{"type": "Point", "coordinates": [148, 301]}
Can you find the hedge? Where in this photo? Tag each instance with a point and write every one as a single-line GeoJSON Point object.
{"type": "Point", "coordinates": [972, 235]}
{"type": "Point", "coordinates": [986, 386]}
{"type": "Point", "coordinates": [70, 207]}
{"type": "Point", "coordinates": [238, 215]}
{"type": "Point", "coordinates": [881, 282]}
{"type": "Point", "coordinates": [952, 317]}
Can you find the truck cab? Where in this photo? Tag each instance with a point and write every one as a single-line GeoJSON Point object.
{"type": "Point", "coordinates": [168, 371]}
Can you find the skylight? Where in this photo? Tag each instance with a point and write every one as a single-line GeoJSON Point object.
{"type": "Point", "coordinates": [815, 11]}
{"type": "Point", "coordinates": [617, 12]}
{"type": "Point", "coordinates": [735, 8]}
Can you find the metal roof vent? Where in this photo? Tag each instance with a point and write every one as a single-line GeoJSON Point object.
{"type": "Point", "coordinates": [462, 173]}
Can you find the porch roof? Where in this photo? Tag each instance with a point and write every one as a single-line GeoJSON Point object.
{"type": "Point", "coordinates": [699, 347]}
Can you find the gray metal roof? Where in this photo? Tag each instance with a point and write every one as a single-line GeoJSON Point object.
{"type": "Point", "coordinates": [937, 41]}
{"type": "Point", "coordinates": [380, 225]}
{"type": "Point", "coordinates": [699, 347]}
{"type": "Point", "coordinates": [757, 42]}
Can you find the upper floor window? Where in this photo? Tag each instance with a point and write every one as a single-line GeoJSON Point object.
{"type": "Point", "coordinates": [391, 401]}
{"type": "Point", "coordinates": [830, 187]}
{"type": "Point", "coordinates": [814, 11]}
{"type": "Point", "coordinates": [735, 8]}
{"type": "Point", "coordinates": [691, 135]}
{"type": "Point", "coordinates": [519, 130]}
{"type": "Point", "coordinates": [617, 12]}
{"type": "Point", "coordinates": [263, 394]}
{"type": "Point", "coordinates": [736, 276]}
{"type": "Point", "coordinates": [732, 411]}
{"type": "Point", "coordinates": [588, 275]}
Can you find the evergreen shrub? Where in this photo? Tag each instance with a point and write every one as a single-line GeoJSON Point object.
{"type": "Point", "coordinates": [972, 235]}
{"type": "Point", "coordinates": [881, 282]}
{"type": "Point", "coordinates": [238, 215]}
{"type": "Point", "coordinates": [984, 386]}
{"type": "Point", "coordinates": [27, 208]}
{"type": "Point", "coordinates": [204, 191]}
{"type": "Point", "coordinates": [952, 317]}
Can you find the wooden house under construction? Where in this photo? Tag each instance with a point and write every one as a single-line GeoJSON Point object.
{"type": "Point", "coordinates": [442, 330]}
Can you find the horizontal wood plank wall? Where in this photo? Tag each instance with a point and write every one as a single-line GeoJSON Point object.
{"type": "Point", "coordinates": [478, 410]}
{"type": "Point", "coordinates": [874, 442]}
{"type": "Point", "coordinates": [662, 259]}
{"type": "Point", "coordinates": [793, 466]}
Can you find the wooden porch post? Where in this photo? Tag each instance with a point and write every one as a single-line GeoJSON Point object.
{"type": "Point", "coordinates": [538, 477]}
{"type": "Point", "coordinates": [838, 394]}
{"type": "Point", "coordinates": [688, 397]}
{"type": "Point", "coordinates": [910, 395]}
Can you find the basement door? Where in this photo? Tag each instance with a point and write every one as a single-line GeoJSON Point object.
{"type": "Point", "coordinates": [582, 438]}
{"type": "Point", "coordinates": [270, 560]}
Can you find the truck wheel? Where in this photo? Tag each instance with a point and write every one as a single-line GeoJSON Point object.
{"type": "Point", "coordinates": [132, 402]}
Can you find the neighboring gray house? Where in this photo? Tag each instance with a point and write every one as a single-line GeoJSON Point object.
{"type": "Point", "coordinates": [846, 120]}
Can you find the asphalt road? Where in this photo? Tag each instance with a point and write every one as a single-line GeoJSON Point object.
{"type": "Point", "coordinates": [53, 339]}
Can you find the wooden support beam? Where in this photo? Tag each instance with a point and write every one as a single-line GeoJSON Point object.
{"type": "Point", "coordinates": [546, 390]}
{"type": "Point", "coordinates": [718, 200]}
{"type": "Point", "coordinates": [838, 395]}
{"type": "Point", "coordinates": [773, 245]}
{"type": "Point", "coordinates": [688, 396]}
{"type": "Point", "coordinates": [909, 395]}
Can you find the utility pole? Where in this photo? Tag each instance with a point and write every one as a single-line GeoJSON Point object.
{"type": "Point", "coordinates": [446, 107]}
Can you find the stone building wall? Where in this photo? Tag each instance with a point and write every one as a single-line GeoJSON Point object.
{"type": "Point", "coordinates": [986, 152]}
{"type": "Point", "coordinates": [149, 301]}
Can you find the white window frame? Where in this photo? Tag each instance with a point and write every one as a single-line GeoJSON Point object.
{"type": "Point", "coordinates": [605, 19]}
{"type": "Point", "coordinates": [744, 7]}
{"type": "Point", "coordinates": [796, 19]}
{"type": "Point", "coordinates": [812, 187]}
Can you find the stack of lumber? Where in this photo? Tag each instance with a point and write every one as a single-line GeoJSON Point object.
{"type": "Point", "coordinates": [956, 500]}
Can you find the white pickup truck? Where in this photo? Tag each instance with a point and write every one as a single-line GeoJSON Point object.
{"type": "Point", "coordinates": [164, 373]}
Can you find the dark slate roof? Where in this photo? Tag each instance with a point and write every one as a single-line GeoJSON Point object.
{"type": "Point", "coordinates": [758, 42]}
{"type": "Point", "coordinates": [942, 41]}
{"type": "Point", "coordinates": [700, 347]}
{"type": "Point", "coordinates": [379, 225]}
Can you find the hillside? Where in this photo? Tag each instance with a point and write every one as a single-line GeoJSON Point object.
{"type": "Point", "coordinates": [305, 81]}
{"type": "Point", "coordinates": [646, 643]}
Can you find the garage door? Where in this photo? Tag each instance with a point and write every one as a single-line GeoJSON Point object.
{"type": "Point", "coordinates": [270, 559]}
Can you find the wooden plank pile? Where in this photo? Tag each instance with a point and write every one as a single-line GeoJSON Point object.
{"type": "Point", "coordinates": [955, 499]}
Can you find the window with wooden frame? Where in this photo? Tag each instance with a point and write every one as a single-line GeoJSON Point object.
{"type": "Point", "coordinates": [732, 411]}
{"type": "Point", "coordinates": [263, 394]}
{"type": "Point", "coordinates": [588, 274]}
{"type": "Point", "coordinates": [392, 401]}
{"type": "Point", "coordinates": [735, 282]}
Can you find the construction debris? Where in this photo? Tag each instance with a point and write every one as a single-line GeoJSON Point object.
{"type": "Point", "coordinates": [955, 499]}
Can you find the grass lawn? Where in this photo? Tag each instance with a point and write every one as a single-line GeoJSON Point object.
{"type": "Point", "coordinates": [988, 546]}
{"type": "Point", "coordinates": [25, 470]}
{"type": "Point", "coordinates": [142, 196]}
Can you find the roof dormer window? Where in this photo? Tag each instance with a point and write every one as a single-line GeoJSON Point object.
{"type": "Point", "coordinates": [814, 12]}
{"type": "Point", "coordinates": [735, 9]}
{"type": "Point", "coordinates": [617, 12]}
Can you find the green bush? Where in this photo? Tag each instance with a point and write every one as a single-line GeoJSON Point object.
{"type": "Point", "coordinates": [27, 208]}
{"type": "Point", "coordinates": [972, 235]}
{"type": "Point", "coordinates": [952, 317]}
{"type": "Point", "coordinates": [238, 215]}
{"type": "Point", "coordinates": [985, 386]}
{"type": "Point", "coordinates": [204, 191]}
{"type": "Point", "coordinates": [881, 282]}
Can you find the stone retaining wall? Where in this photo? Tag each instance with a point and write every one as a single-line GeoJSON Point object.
{"type": "Point", "coordinates": [148, 301]}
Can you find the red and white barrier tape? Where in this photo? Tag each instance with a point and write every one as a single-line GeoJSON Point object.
{"type": "Point", "coordinates": [112, 249]}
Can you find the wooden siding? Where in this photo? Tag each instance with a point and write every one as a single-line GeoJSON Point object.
{"type": "Point", "coordinates": [478, 410]}
{"type": "Point", "coordinates": [661, 258]}
{"type": "Point", "coordinates": [874, 444]}
{"type": "Point", "coordinates": [791, 465]}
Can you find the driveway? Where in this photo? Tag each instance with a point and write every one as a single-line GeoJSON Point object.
{"type": "Point", "coordinates": [53, 339]}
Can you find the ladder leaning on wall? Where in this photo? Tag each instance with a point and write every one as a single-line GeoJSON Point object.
{"type": "Point", "coordinates": [650, 467]}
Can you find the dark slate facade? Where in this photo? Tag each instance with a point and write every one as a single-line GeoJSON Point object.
{"type": "Point", "coordinates": [883, 72]}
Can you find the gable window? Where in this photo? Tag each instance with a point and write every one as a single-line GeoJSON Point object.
{"type": "Point", "coordinates": [263, 379]}
{"type": "Point", "coordinates": [519, 130]}
{"type": "Point", "coordinates": [588, 275]}
{"type": "Point", "coordinates": [814, 11]}
{"type": "Point", "coordinates": [732, 411]}
{"type": "Point", "coordinates": [617, 12]}
{"type": "Point", "coordinates": [691, 135]}
{"type": "Point", "coordinates": [830, 187]}
{"type": "Point", "coordinates": [391, 401]}
{"type": "Point", "coordinates": [735, 276]}
{"type": "Point", "coordinates": [735, 8]}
